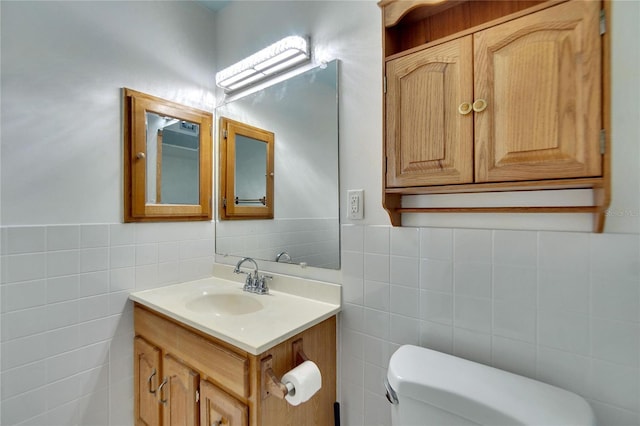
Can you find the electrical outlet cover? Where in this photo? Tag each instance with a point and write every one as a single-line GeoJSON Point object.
{"type": "Point", "coordinates": [355, 204]}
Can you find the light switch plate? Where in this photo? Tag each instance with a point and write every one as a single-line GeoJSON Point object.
{"type": "Point", "coordinates": [355, 204]}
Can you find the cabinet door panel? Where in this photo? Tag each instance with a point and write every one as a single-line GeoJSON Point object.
{"type": "Point", "coordinates": [540, 76]}
{"type": "Point", "coordinates": [147, 378]}
{"type": "Point", "coordinates": [180, 405]}
{"type": "Point", "coordinates": [217, 408]}
{"type": "Point", "coordinates": [428, 142]}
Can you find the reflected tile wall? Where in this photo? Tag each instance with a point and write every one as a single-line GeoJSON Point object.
{"type": "Point", "coordinates": [67, 324]}
{"type": "Point", "coordinates": [559, 307]}
{"type": "Point", "coordinates": [314, 241]}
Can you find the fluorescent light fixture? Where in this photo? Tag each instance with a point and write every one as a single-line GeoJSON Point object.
{"type": "Point", "coordinates": [280, 56]}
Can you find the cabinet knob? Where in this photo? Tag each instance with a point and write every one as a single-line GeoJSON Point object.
{"type": "Point", "coordinates": [465, 108]}
{"type": "Point", "coordinates": [479, 105]}
{"type": "Point", "coordinates": [140, 155]}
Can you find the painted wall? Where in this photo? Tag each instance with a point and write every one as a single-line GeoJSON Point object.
{"type": "Point", "coordinates": [61, 100]}
{"type": "Point", "coordinates": [68, 263]}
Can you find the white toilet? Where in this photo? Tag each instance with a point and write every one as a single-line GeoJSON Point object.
{"type": "Point", "coordinates": [429, 388]}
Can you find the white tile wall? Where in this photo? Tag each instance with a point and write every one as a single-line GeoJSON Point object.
{"type": "Point", "coordinates": [313, 241]}
{"type": "Point", "coordinates": [67, 324]}
{"type": "Point", "coordinates": [563, 308]}
{"type": "Point", "coordinates": [559, 307]}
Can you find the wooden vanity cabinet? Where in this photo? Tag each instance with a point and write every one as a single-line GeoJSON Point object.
{"type": "Point", "coordinates": [485, 96]}
{"type": "Point", "coordinates": [210, 382]}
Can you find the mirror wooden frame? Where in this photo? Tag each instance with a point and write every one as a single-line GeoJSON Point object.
{"type": "Point", "coordinates": [136, 208]}
{"type": "Point", "coordinates": [227, 207]}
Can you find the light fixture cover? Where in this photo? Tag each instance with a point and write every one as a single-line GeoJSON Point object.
{"type": "Point", "coordinates": [280, 56]}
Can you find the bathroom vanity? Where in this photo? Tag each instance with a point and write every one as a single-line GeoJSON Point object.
{"type": "Point", "coordinates": [203, 351]}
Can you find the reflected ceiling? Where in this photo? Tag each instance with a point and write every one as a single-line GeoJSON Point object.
{"type": "Point", "coordinates": [214, 5]}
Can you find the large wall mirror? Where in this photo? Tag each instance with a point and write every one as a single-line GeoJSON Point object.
{"type": "Point", "coordinates": [302, 114]}
{"type": "Point", "coordinates": [167, 160]}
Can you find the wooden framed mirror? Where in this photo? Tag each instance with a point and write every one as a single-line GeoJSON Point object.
{"type": "Point", "coordinates": [167, 160]}
{"type": "Point", "coordinates": [246, 171]}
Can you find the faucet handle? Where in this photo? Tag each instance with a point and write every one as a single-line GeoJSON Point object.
{"type": "Point", "coordinates": [261, 284]}
{"type": "Point", "coordinates": [250, 284]}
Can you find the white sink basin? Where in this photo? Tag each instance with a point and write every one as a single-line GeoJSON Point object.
{"type": "Point", "coordinates": [224, 304]}
{"type": "Point", "coordinates": [251, 322]}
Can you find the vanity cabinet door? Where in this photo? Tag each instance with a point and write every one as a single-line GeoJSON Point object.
{"type": "Point", "coordinates": [217, 408]}
{"type": "Point", "coordinates": [178, 394]}
{"type": "Point", "coordinates": [147, 379]}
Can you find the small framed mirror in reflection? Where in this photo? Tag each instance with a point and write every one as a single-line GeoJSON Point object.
{"type": "Point", "coordinates": [246, 171]}
{"type": "Point", "coordinates": [167, 160]}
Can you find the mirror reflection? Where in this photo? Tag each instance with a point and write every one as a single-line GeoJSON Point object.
{"type": "Point", "coordinates": [302, 113]}
{"type": "Point", "coordinates": [251, 171]}
{"type": "Point", "coordinates": [246, 171]}
{"type": "Point", "coordinates": [172, 160]}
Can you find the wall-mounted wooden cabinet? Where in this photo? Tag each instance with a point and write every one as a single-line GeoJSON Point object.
{"type": "Point", "coordinates": [167, 160]}
{"type": "Point", "coordinates": [183, 377]}
{"type": "Point", "coordinates": [484, 96]}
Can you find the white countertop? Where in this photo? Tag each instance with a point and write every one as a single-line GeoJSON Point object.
{"type": "Point", "coordinates": [279, 315]}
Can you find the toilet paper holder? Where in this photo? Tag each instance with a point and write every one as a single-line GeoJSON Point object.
{"type": "Point", "coordinates": [271, 385]}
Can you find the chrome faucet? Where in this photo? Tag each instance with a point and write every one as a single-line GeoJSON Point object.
{"type": "Point", "coordinates": [254, 283]}
{"type": "Point", "coordinates": [284, 256]}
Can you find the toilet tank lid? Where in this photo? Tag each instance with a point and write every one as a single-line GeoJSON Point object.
{"type": "Point", "coordinates": [481, 393]}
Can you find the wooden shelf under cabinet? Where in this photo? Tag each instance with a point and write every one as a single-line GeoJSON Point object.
{"type": "Point", "coordinates": [208, 380]}
{"type": "Point", "coordinates": [486, 96]}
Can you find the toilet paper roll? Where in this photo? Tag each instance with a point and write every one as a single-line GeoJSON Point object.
{"type": "Point", "coordinates": [306, 380]}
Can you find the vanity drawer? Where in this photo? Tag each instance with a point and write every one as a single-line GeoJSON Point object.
{"type": "Point", "coordinates": [215, 404]}
{"type": "Point", "coordinates": [227, 369]}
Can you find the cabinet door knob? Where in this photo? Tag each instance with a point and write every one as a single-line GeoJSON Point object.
{"type": "Point", "coordinates": [465, 108]}
{"type": "Point", "coordinates": [140, 155]}
{"type": "Point", "coordinates": [479, 105]}
{"type": "Point", "coordinates": [217, 422]}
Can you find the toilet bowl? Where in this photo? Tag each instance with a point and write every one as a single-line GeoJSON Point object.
{"type": "Point", "coordinates": [429, 388]}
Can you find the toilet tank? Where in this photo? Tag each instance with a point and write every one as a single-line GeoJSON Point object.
{"type": "Point", "coordinates": [430, 388]}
